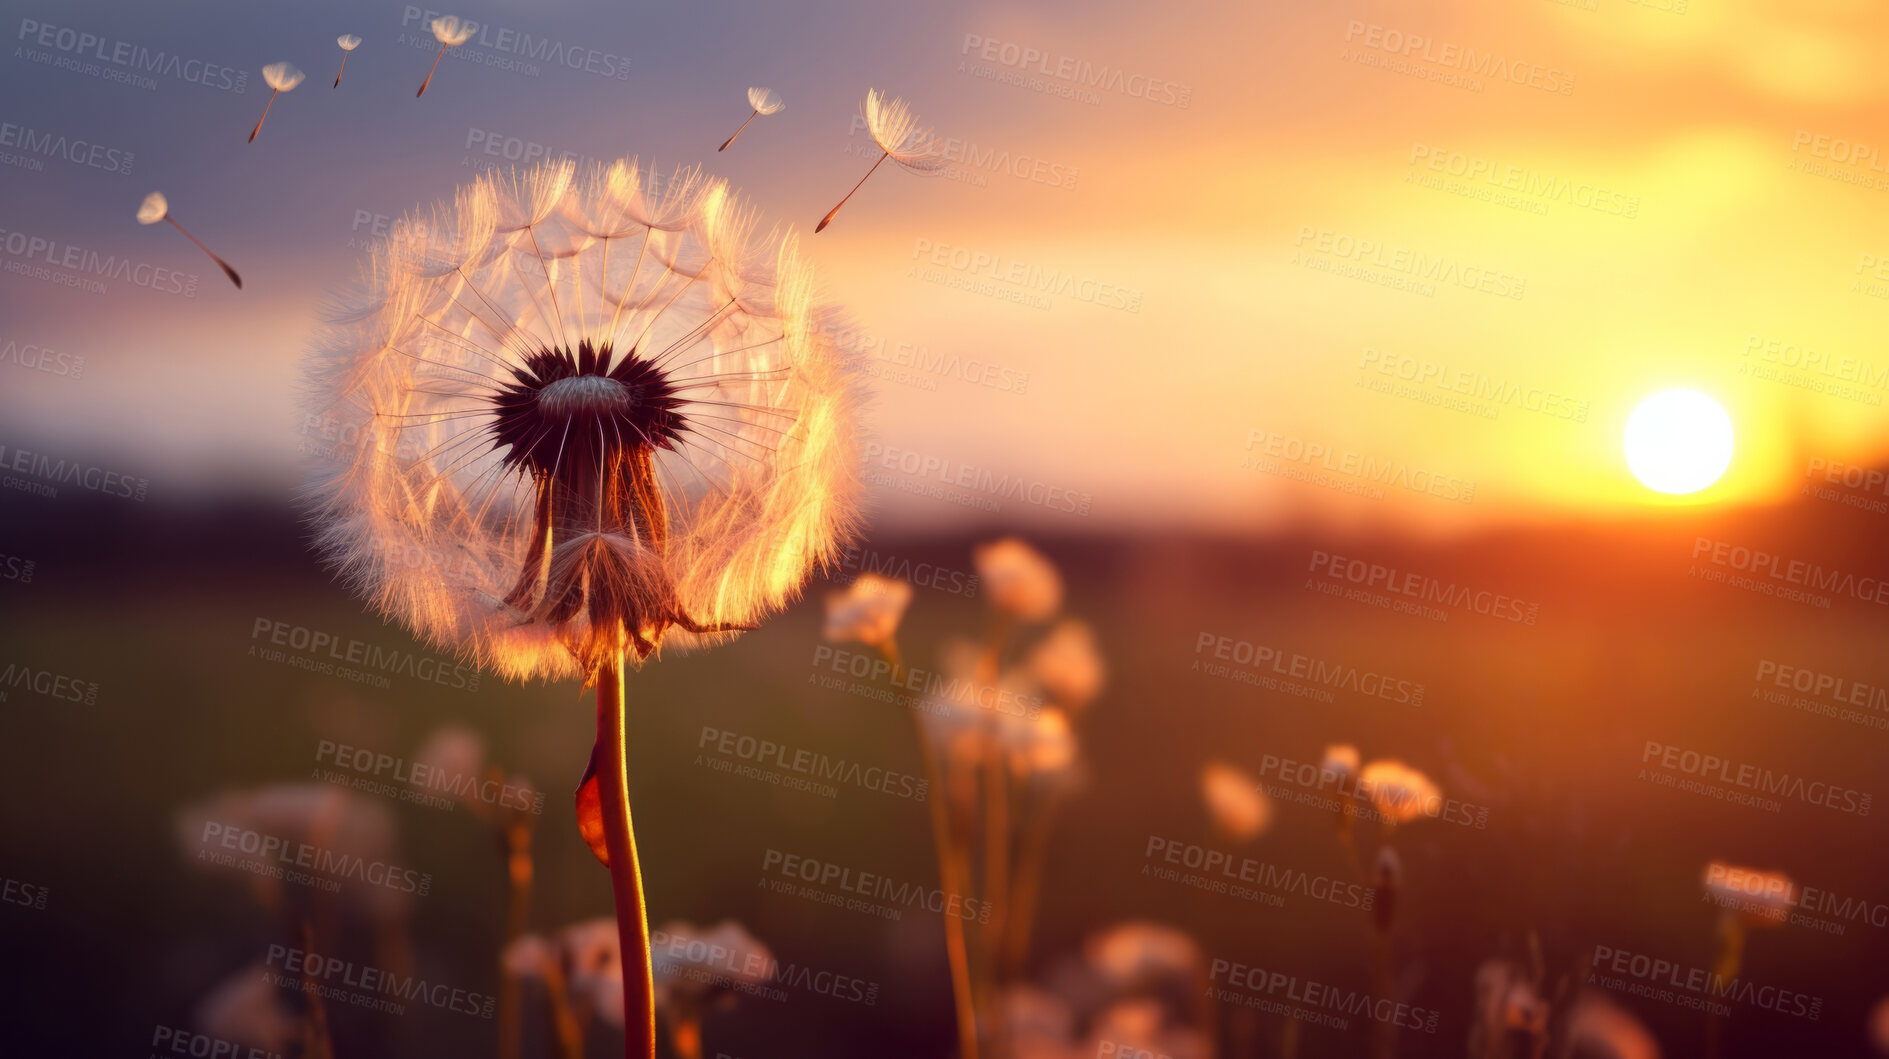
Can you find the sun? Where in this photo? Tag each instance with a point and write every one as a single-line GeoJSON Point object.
{"type": "Point", "coordinates": [1678, 442]}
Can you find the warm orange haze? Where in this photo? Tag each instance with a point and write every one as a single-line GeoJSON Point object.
{"type": "Point", "coordinates": [1011, 531]}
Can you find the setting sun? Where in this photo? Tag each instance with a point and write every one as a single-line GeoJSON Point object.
{"type": "Point", "coordinates": [1678, 442]}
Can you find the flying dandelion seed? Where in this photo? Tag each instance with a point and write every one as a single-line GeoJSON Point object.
{"type": "Point", "coordinates": [895, 129]}
{"type": "Point", "coordinates": [156, 207]}
{"type": "Point", "coordinates": [280, 77]}
{"type": "Point", "coordinates": [765, 101]}
{"type": "Point", "coordinates": [348, 42]}
{"type": "Point", "coordinates": [607, 415]}
{"type": "Point", "coordinates": [451, 31]}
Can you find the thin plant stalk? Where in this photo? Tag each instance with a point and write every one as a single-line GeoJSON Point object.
{"type": "Point", "coordinates": [320, 1043]}
{"type": "Point", "coordinates": [996, 877]}
{"type": "Point", "coordinates": [518, 877]}
{"type": "Point", "coordinates": [685, 1034]}
{"type": "Point", "coordinates": [1032, 860]}
{"type": "Point", "coordinates": [744, 125]}
{"type": "Point", "coordinates": [567, 1033]}
{"type": "Point", "coordinates": [224, 265]}
{"type": "Point", "coordinates": [828, 219]}
{"type": "Point", "coordinates": [265, 111]}
{"type": "Point", "coordinates": [626, 877]}
{"type": "Point", "coordinates": [957, 954]}
{"type": "Point", "coordinates": [429, 72]}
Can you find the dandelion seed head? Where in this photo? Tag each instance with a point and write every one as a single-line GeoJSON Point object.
{"type": "Point", "coordinates": [452, 31]}
{"type": "Point", "coordinates": [599, 412]}
{"type": "Point", "coordinates": [1599, 1028]}
{"type": "Point", "coordinates": [1756, 898]}
{"type": "Point", "coordinates": [1018, 580]}
{"type": "Point", "coordinates": [867, 611]}
{"type": "Point", "coordinates": [1398, 791]}
{"type": "Point", "coordinates": [1235, 803]}
{"type": "Point", "coordinates": [1142, 955]}
{"type": "Point", "coordinates": [282, 76]}
{"type": "Point", "coordinates": [154, 208]}
{"type": "Point", "coordinates": [593, 966]}
{"type": "Point", "coordinates": [766, 101]}
{"type": "Point", "coordinates": [348, 41]}
{"type": "Point", "coordinates": [1039, 747]}
{"type": "Point", "coordinates": [696, 965]}
{"type": "Point", "coordinates": [248, 1009]}
{"type": "Point", "coordinates": [1340, 761]}
{"type": "Point", "coordinates": [896, 130]}
{"type": "Point", "coordinates": [1068, 665]}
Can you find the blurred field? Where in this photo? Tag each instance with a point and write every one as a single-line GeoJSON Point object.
{"type": "Point", "coordinates": [1544, 724]}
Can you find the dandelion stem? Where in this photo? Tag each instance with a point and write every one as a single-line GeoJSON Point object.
{"type": "Point", "coordinates": [518, 874]}
{"type": "Point", "coordinates": [265, 114]}
{"type": "Point", "coordinates": [429, 72]}
{"type": "Point", "coordinates": [956, 953]}
{"type": "Point", "coordinates": [828, 219]}
{"type": "Point", "coordinates": [626, 877]}
{"type": "Point", "coordinates": [224, 265]}
{"type": "Point", "coordinates": [731, 139]}
{"type": "Point", "coordinates": [344, 69]}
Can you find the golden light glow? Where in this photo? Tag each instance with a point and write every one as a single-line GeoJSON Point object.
{"type": "Point", "coordinates": [1678, 442]}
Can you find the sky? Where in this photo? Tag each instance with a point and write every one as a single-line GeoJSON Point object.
{"type": "Point", "coordinates": [1227, 266]}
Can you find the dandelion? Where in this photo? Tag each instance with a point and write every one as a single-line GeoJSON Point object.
{"type": "Point", "coordinates": [1598, 1028]}
{"type": "Point", "coordinates": [1138, 955]}
{"type": "Point", "coordinates": [765, 101]}
{"type": "Point", "coordinates": [280, 77]}
{"type": "Point", "coordinates": [895, 129]}
{"type": "Point", "coordinates": [868, 611]}
{"type": "Point", "coordinates": [1753, 897]}
{"type": "Point", "coordinates": [1509, 1011]}
{"type": "Point", "coordinates": [1387, 878]}
{"type": "Point", "coordinates": [451, 31]}
{"type": "Point", "coordinates": [156, 207]}
{"type": "Point", "coordinates": [1018, 580]}
{"type": "Point", "coordinates": [1399, 792]}
{"type": "Point", "coordinates": [348, 42]}
{"type": "Point", "coordinates": [702, 968]}
{"type": "Point", "coordinates": [1068, 665]}
{"type": "Point", "coordinates": [1339, 764]}
{"type": "Point", "coordinates": [594, 453]}
{"type": "Point", "coordinates": [1239, 809]}
{"type": "Point", "coordinates": [248, 1010]}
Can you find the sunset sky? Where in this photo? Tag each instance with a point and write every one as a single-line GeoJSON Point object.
{"type": "Point", "coordinates": [1457, 246]}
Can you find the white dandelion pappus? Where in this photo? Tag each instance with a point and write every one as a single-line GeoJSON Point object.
{"type": "Point", "coordinates": [156, 207]}
{"type": "Point", "coordinates": [280, 77]}
{"type": "Point", "coordinates": [348, 42]}
{"type": "Point", "coordinates": [896, 130]}
{"type": "Point", "coordinates": [765, 101]}
{"type": "Point", "coordinates": [630, 415]}
{"type": "Point", "coordinates": [451, 31]}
